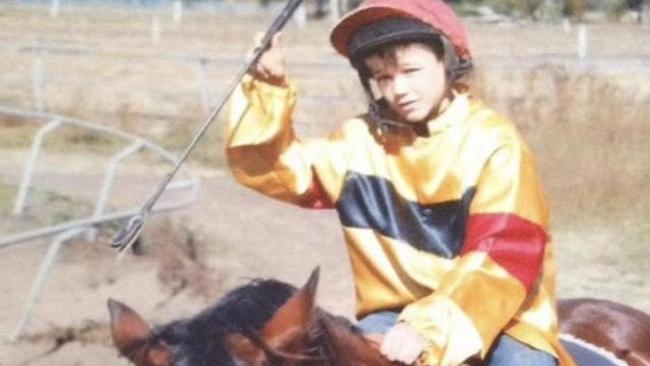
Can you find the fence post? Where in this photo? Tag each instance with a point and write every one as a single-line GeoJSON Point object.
{"type": "Point", "coordinates": [31, 162]}
{"type": "Point", "coordinates": [54, 9]}
{"type": "Point", "coordinates": [582, 41]}
{"type": "Point", "coordinates": [301, 16]}
{"type": "Point", "coordinates": [156, 30]}
{"type": "Point", "coordinates": [178, 11]}
{"type": "Point", "coordinates": [334, 10]}
{"type": "Point", "coordinates": [204, 86]}
{"type": "Point", "coordinates": [38, 81]}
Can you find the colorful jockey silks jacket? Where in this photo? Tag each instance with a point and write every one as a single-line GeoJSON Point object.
{"type": "Point", "coordinates": [449, 226]}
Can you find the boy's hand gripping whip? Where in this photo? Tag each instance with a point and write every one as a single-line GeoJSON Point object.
{"type": "Point", "coordinates": [132, 229]}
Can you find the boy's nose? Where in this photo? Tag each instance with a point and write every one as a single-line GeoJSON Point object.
{"type": "Point", "coordinates": [400, 85]}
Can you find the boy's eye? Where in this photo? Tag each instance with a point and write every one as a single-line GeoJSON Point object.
{"type": "Point", "coordinates": [382, 78]}
{"type": "Point", "coordinates": [410, 70]}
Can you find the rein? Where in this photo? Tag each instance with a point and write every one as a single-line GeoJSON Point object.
{"type": "Point", "coordinates": [276, 357]}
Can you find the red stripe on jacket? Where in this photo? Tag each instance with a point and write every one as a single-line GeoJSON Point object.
{"type": "Point", "coordinates": [316, 197]}
{"type": "Point", "coordinates": [514, 243]}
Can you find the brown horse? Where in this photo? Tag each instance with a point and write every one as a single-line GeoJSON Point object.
{"type": "Point", "coordinates": [617, 328]}
{"type": "Point", "coordinates": [270, 323]}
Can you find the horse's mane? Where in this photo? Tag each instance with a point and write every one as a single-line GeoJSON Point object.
{"type": "Point", "coordinates": [248, 307]}
{"type": "Point", "coordinates": [244, 310]}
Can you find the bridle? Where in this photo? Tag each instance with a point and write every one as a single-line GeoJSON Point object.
{"type": "Point", "coordinates": [315, 354]}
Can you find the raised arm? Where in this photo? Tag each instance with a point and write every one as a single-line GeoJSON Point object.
{"type": "Point", "coordinates": [262, 149]}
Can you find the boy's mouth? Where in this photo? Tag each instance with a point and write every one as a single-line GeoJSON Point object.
{"type": "Point", "coordinates": [405, 103]}
{"type": "Point", "coordinates": [408, 106]}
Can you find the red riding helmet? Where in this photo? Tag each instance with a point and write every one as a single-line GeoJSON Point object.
{"type": "Point", "coordinates": [434, 13]}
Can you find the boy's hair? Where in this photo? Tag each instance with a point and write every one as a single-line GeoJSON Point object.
{"type": "Point", "coordinates": [388, 52]}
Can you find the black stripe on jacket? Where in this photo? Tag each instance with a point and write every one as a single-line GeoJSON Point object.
{"type": "Point", "coordinates": [370, 202]}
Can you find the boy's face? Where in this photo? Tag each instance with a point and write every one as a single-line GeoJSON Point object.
{"type": "Point", "coordinates": [412, 79]}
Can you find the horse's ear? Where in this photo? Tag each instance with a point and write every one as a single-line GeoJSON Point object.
{"type": "Point", "coordinates": [130, 332]}
{"type": "Point", "coordinates": [127, 327]}
{"type": "Point", "coordinates": [290, 324]}
{"type": "Point", "coordinates": [349, 348]}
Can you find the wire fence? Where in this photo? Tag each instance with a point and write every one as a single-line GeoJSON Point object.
{"type": "Point", "coordinates": [320, 7]}
{"type": "Point", "coordinates": [101, 212]}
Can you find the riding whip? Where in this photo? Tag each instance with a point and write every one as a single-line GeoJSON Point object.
{"type": "Point", "coordinates": [133, 227]}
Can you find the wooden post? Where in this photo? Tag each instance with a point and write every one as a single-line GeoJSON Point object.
{"type": "Point", "coordinates": [301, 16]}
{"type": "Point", "coordinates": [582, 41]}
{"type": "Point", "coordinates": [566, 23]}
{"type": "Point", "coordinates": [178, 11]}
{"type": "Point", "coordinates": [204, 85]}
{"type": "Point", "coordinates": [54, 9]}
{"type": "Point", "coordinates": [38, 81]}
{"type": "Point", "coordinates": [334, 10]}
{"type": "Point", "coordinates": [156, 30]}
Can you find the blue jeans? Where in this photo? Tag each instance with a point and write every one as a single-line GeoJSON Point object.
{"type": "Point", "coordinates": [506, 351]}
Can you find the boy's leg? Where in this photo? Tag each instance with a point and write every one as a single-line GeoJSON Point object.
{"type": "Point", "coordinates": [374, 326]}
{"type": "Point", "coordinates": [508, 351]}
{"type": "Point", "coordinates": [378, 323]}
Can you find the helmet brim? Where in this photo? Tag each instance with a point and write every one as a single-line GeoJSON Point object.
{"type": "Point", "coordinates": [348, 26]}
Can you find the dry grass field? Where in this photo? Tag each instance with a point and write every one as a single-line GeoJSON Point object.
{"type": "Point", "coordinates": [586, 119]}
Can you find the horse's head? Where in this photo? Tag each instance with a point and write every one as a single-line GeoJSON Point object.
{"type": "Point", "coordinates": [265, 323]}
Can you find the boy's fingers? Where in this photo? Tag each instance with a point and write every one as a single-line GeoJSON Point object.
{"type": "Point", "coordinates": [270, 67]}
{"type": "Point", "coordinates": [278, 40]}
{"type": "Point", "coordinates": [261, 72]}
{"type": "Point", "coordinates": [409, 354]}
{"type": "Point", "coordinates": [390, 346]}
{"type": "Point", "coordinates": [401, 344]}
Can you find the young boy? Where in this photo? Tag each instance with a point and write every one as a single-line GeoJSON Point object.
{"type": "Point", "coordinates": [442, 212]}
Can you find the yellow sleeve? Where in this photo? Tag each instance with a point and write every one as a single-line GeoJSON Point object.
{"type": "Point", "coordinates": [264, 153]}
{"type": "Point", "coordinates": [498, 267]}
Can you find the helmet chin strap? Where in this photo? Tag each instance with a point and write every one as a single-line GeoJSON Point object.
{"type": "Point", "coordinates": [455, 66]}
{"type": "Point", "coordinates": [385, 125]}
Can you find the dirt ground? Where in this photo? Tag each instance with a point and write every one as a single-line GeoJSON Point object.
{"type": "Point", "coordinates": [597, 178]}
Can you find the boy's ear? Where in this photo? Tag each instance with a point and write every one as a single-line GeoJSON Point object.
{"type": "Point", "coordinates": [130, 332]}
{"type": "Point", "coordinates": [290, 325]}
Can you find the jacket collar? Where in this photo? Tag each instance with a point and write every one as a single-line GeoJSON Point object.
{"type": "Point", "coordinates": [455, 112]}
